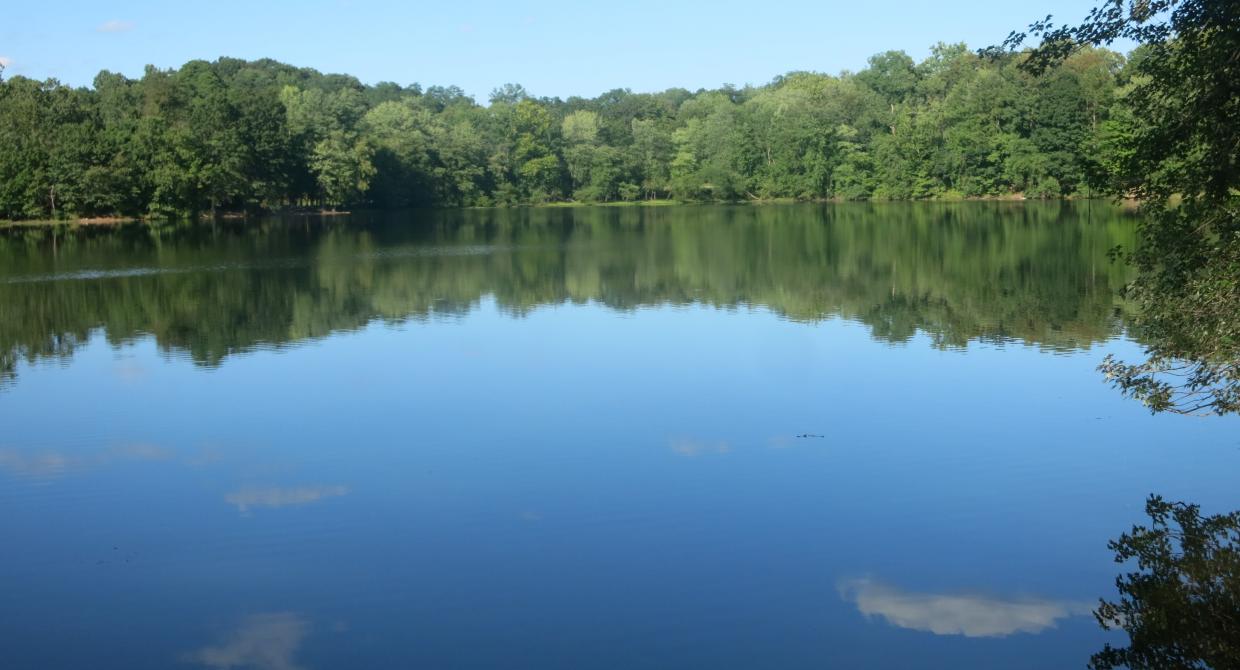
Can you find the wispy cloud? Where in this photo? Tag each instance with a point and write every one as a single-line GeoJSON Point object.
{"type": "Point", "coordinates": [115, 26]}
{"type": "Point", "coordinates": [5, 61]}
{"type": "Point", "coordinates": [248, 498]}
{"type": "Point", "coordinates": [267, 641]}
{"type": "Point", "coordinates": [967, 615]}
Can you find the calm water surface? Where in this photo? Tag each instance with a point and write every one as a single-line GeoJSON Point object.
{"type": "Point", "coordinates": [754, 437]}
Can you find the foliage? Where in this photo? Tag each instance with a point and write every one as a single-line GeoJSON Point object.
{"type": "Point", "coordinates": [234, 135]}
{"type": "Point", "coordinates": [1181, 607]}
{"type": "Point", "coordinates": [1175, 145]}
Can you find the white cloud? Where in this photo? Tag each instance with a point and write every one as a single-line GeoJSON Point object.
{"type": "Point", "coordinates": [251, 497]}
{"type": "Point", "coordinates": [115, 26]}
{"type": "Point", "coordinates": [266, 641]}
{"type": "Point", "coordinates": [967, 615]}
{"type": "Point", "coordinates": [5, 61]}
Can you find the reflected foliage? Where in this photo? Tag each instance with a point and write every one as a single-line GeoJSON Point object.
{"type": "Point", "coordinates": [1181, 607]}
{"type": "Point", "coordinates": [1177, 148]}
{"type": "Point", "coordinates": [957, 272]}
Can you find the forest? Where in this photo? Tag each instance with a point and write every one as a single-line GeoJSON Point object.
{"type": "Point", "coordinates": [234, 136]}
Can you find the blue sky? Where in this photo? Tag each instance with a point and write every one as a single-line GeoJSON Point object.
{"type": "Point", "coordinates": [554, 48]}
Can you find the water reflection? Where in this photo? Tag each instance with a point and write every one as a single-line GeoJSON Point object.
{"type": "Point", "coordinates": [690, 447]}
{"type": "Point", "coordinates": [951, 614]}
{"type": "Point", "coordinates": [43, 464]}
{"type": "Point", "coordinates": [562, 480]}
{"type": "Point", "coordinates": [249, 498]}
{"type": "Point", "coordinates": [264, 641]}
{"type": "Point", "coordinates": [37, 465]}
{"type": "Point", "coordinates": [1035, 273]}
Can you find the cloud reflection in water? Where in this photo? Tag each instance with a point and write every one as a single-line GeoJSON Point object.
{"type": "Point", "coordinates": [948, 614]}
{"type": "Point", "coordinates": [248, 498]}
{"type": "Point", "coordinates": [44, 465]}
{"type": "Point", "coordinates": [691, 447]}
{"type": "Point", "coordinates": [265, 641]}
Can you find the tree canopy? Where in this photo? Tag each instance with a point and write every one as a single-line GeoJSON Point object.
{"type": "Point", "coordinates": [234, 135]}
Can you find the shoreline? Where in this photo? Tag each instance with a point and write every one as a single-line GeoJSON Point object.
{"type": "Point", "coordinates": [116, 221]}
{"type": "Point", "coordinates": [113, 221]}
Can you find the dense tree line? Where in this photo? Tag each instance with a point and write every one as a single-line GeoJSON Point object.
{"type": "Point", "coordinates": [233, 136]}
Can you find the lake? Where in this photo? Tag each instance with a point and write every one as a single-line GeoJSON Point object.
{"type": "Point", "coordinates": [798, 436]}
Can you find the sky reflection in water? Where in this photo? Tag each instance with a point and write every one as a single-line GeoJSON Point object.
{"type": "Point", "coordinates": [666, 438]}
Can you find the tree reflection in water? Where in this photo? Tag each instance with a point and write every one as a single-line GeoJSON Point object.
{"type": "Point", "coordinates": [1181, 606]}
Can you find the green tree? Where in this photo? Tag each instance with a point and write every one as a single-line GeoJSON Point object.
{"type": "Point", "coordinates": [343, 167]}
{"type": "Point", "coordinates": [892, 75]}
{"type": "Point", "coordinates": [1181, 158]}
{"type": "Point", "coordinates": [652, 149]}
{"type": "Point", "coordinates": [459, 160]}
{"type": "Point", "coordinates": [793, 126]}
{"type": "Point", "coordinates": [252, 135]}
{"type": "Point", "coordinates": [710, 150]}
{"type": "Point", "coordinates": [535, 163]}
{"type": "Point", "coordinates": [398, 130]}
{"type": "Point", "coordinates": [580, 131]}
